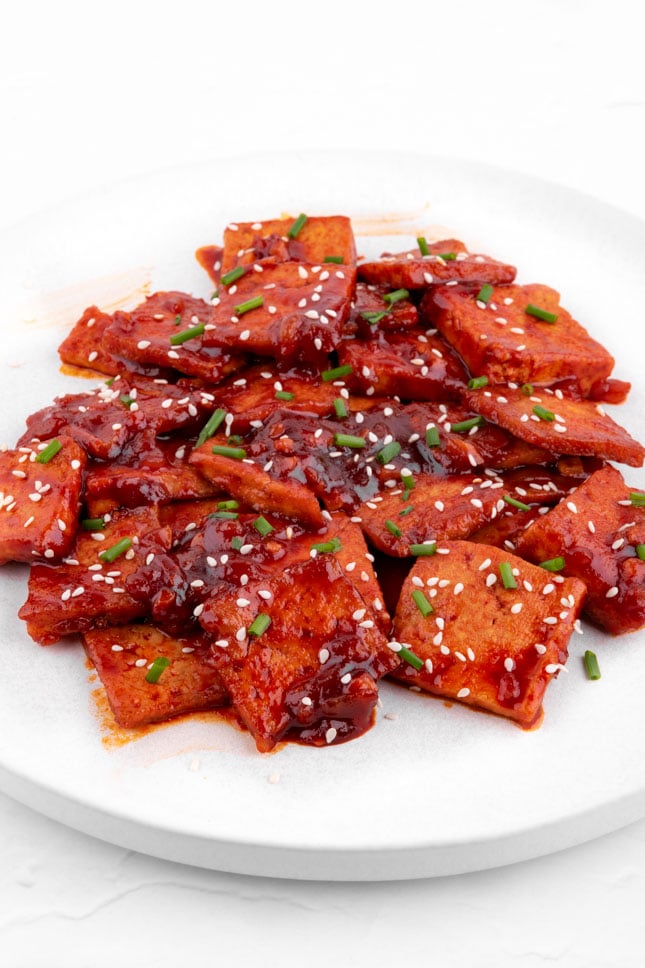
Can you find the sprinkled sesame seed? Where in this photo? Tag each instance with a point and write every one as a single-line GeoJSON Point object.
{"type": "Point", "coordinates": [611, 592]}
{"type": "Point", "coordinates": [331, 735]}
{"type": "Point", "coordinates": [463, 693]}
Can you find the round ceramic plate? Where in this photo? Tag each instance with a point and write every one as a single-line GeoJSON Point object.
{"type": "Point", "coordinates": [431, 789]}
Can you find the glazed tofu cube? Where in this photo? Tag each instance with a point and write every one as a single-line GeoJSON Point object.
{"type": "Point", "coordinates": [597, 531]}
{"type": "Point", "coordinates": [447, 261]}
{"type": "Point", "coordinates": [479, 641]}
{"type": "Point", "coordinates": [83, 345]}
{"type": "Point", "coordinates": [40, 500]}
{"type": "Point", "coordinates": [319, 239]}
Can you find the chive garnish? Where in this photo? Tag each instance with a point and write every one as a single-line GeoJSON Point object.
{"type": "Point", "coordinates": [423, 246]}
{"type": "Point", "coordinates": [553, 564]}
{"type": "Point", "coordinates": [246, 307]}
{"type": "Point", "coordinates": [49, 451]}
{"type": "Point", "coordinates": [225, 515]}
{"type": "Point", "coordinates": [110, 381]}
{"type": "Point", "coordinates": [327, 547]}
{"type": "Point", "coordinates": [93, 524]}
{"type": "Point", "coordinates": [284, 395]}
{"type": "Point", "coordinates": [260, 624]}
{"type": "Point", "coordinates": [232, 275]}
{"type": "Point", "coordinates": [432, 437]}
{"type": "Point", "coordinates": [542, 314]}
{"type": "Point", "coordinates": [262, 526]}
{"type": "Point", "coordinates": [395, 296]}
{"type": "Point", "coordinates": [338, 259]}
{"type": "Point", "coordinates": [543, 413]}
{"type": "Point", "coordinates": [334, 374]}
{"type": "Point", "coordinates": [237, 542]}
{"type": "Point", "coordinates": [447, 256]}
{"type": "Point", "coordinates": [507, 576]}
{"type": "Point", "coordinates": [178, 338]}
{"type": "Point", "coordinates": [423, 550]}
{"type": "Point", "coordinates": [154, 672]}
{"type": "Point", "coordinates": [178, 319]}
{"type": "Point", "coordinates": [118, 549]}
{"type": "Point", "coordinates": [407, 510]}
{"type": "Point", "coordinates": [297, 226]}
{"type": "Point", "coordinates": [230, 505]}
{"type": "Point", "coordinates": [348, 440]}
{"type": "Point", "coordinates": [210, 426]}
{"type": "Point", "coordinates": [477, 382]}
{"type": "Point", "coordinates": [408, 483]}
{"type": "Point", "coordinates": [463, 426]}
{"type": "Point", "coordinates": [126, 400]}
{"type": "Point", "coordinates": [591, 664]}
{"type": "Point", "coordinates": [373, 317]}
{"type": "Point", "coordinates": [640, 551]}
{"type": "Point", "coordinates": [410, 657]}
{"type": "Point", "coordinates": [390, 450]}
{"type": "Point", "coordinates": [341, 408]}
{"type": "Point", "coordinates": [527, 389]}
{"type": "Point", "coordinates": [422, 602]}
{"type": "Point", "coordinates": [515, 503]}
{"type": "Point", "coordinates": [393, 528]}
{"type": "Point", "coordinates": [637, 499]}
{"type": "Point", "coordinates": [237, 453]}
{"type": "Point", "coordinates": [484, 294]}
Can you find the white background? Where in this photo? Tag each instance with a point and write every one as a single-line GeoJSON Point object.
{"type": "Point", "coordinates": [93, 93]}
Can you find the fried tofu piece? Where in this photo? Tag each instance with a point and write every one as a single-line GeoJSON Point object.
{"type": "Point", "coordinates": [409, 365]}
{"type": "Point", "coordinates": [40, 502]}
{"type": "Point", "coordinates": [87, 590]}
{"type": "Point", "coordinates": [560, 425]}
{"type": "Point", "coordinates": [490, 646]}
{"type": "Point", "coordinates": [500, 339]}
{"type": "Point", "coordinates": [153, 334]}
{"type": "Point", "coordinates": [412, 270]}
{"type": "Point", "coordinates": [210, 259]}
{"type": "Point", "coordinates": [597, 531]}
{"type": "Point", "coordinates": [293, 312]}
{"type": "Point", "coordinates": [83, 345]}
{"type": "Point", "coordinates": [123, 658]}
{"type": "Point", "coordinates": [374, 311]}
{"type": "Point", "coordinates": [320, 238]}
{"type": "Point", "coordinates": [298, 654]}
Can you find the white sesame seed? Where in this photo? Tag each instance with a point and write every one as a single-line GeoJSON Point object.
{"type": "Point", "coordinates": [331, 735]}
{"type": "Point", "coordinates": [611, 592]}
{"type": "Point", "coordinates": [463, 693]}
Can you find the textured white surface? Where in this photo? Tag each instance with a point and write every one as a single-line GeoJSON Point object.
{"type": "Point", "coordinates": [554, 89]}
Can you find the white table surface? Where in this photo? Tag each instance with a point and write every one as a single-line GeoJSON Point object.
{"type": "Point", "coordinates": [90, 94]}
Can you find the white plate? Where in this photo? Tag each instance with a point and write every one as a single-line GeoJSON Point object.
{"type": "Point", "coordinates": [434, 789]}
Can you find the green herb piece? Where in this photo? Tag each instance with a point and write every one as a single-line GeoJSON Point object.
{"type": "Point", "coordinates": [515, 503]}
{"type": "Point", "coordinates": [527, 389]}
{"type": "Point", "coordinates": [230, 505]}
{"type": "Point", "coordinates": [178, 338]}
{"type": "Point", "coordinates": [543, 413]}
{"type": "Point", "coordinates": [484, 294]}
{"type": "Point", "coordinates": [407, 510]}
{"type": "Point", "coordinates": [118, 549]}
{"type": "Point", "coordinates": [477, 382]}
{"type": "Point", "coordinates": [373, 317]}
{"type": "Point", "coordinates": [109, 382]}
{"type": "Point", "coordinates": [407, 655]}
{"type": "Point", "coordinates": [260, 624]}
{"type": "Point", "coordinates": [225, 515]}
{"type": "Point", "coordinates": [297, 226]}
{"type": "Point", "coordinates": [432, 437]}
{"type": "Point", "coordinates": [507, 576]}
{"type": "Point", "coordinates": [154, 672]}
{"type": "Point", "coordinates": [338, 259]}
{"type": "Point", "coordinates": [46, 454]}
{"type": "Point", "coordinates": [422, 602]}
{"type": "Point", "coordinates": [640, 551]}
{"type": "Point", "coordinates": [423, 550]}
{"type": "Point", "coordinates": [262, 526]}
{"type": "Point", "coordinates": [237, 542]}
{"type": "Point", "coordinates": [553, 564]}
{"type": "Point", "coordinates": [408, 483]}
{"type": "Point", "coordinates": [233, 275]}
{"type": "Point", "coordinates": [591, 665]}
{"type": "Point", "coordinates": [348, 440]}
{"type": "Point", "coordinates": [637, 499]}
{"type": "Point", "coordinates": [237, 453]}
{"type": "Point", "coordinates": [395, 296]}
{"type": "Point", "coordinates": [93, 524]}
{"type": "Point", "coordinates": [542, 314]}
{"type": "Point", "coordinates": [127, 401]}
{"type": "Point", "coordinates": [463, 426]}
{"type": "Point", "coordinates": [284, 395]}
{"type": "Point", "coordinates": [390, 451]}
{"type": "Point", "coordinates": [334, 374]}
{"type": "Point", "coordinates": [327, 547]}
{"type": "Point", "coordinates": [447, 256]}
{"type": "Point", "coordinates": [423, 246]}
{"type": "Point", "coordinates": [178, 319]}
{"type": "Point", "coordinates": [341, 408]}
{"type": "Point", "coordinates": [393, 528]}
{"type": "Point", "coordinates": [210, 427]}
{"type": "Point", "coordinates": [247, 306]}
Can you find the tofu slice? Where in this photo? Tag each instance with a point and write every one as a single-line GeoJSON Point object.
{"type": "Point", "coordinates": [412, 270]}
{"type": "Point", "coordinates": [321, 237]}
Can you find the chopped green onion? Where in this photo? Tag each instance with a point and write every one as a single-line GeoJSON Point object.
{"type": "Point", "coordinates": [543, 413]}
{"type": "Point", "coordinates": [348, 440]}
{"type": "Point", "coordinates": [230, 505]}
{"type": "Point", "coordinates": [591, 665]}
{"type": "Point", "coordinates": [327, 547]}
{"type": "Point", "coordinates": [210, 426]}
{"type": "Point", "coordinates": [422, 602]}
{"type": "Point", "coordinates": [484, 294]}
{"type": "Point", "coordinates": [553, 564]}
{"type": "Point", "coordinates": [49, 451]}
{"type": "Point", "coordinates": [373, 317]}
{"type": "Point", "coordinates": [154, 672]}
{"type": "Point", "coordinates": [262, 526]}
{"type": "Point", "coordinates": [640, 551]}
{"type": "Point", "coordinates": [232, 275]}
{"type": "Point", "coordinates": [178, 319]}
{"type": "Point", "coordinates": [507, 576]}
{"type": "Point", "coordinates": [408, 483]}
{"type": "Point", "coordinates": [329, 375]}
{"type": "Point", "coordinates": [637, 499]}
{"type": "Point", "coordinates": [410, 657]}
{"type": "Point", "coordinates": [396, 296]}
{"type": "Point", "coordinates": [423, 246]}
{"type": "Point", "coordinates": [389, 451]}
{"type": "Point", "coordinates": [260, 624]}
{"type": "Point", "coordinates": [237, 453]}
{"type": "Point", "coordinates": [423, 550]}
{"type": "Point", "coordinates": [341, 408]}
{"type": "Point", "coordinates": [447, 256]}
{"type": "Point", "coordinates": [407, 510]}
{"type": "Point", "coordinates": [515, 503]}
{"type": "Point", "coordinates": [338, 259]}
{"type": "Point", "coordinates": [477, 382]}
{"type": "Point", "coordinates": [225, 515]}
{"type": "Point", "coordinates": [127, 401]}
{"type": "Point", "coordinates": [432, 437]}
{"type": "Point", "coordinates": [118, 549]}
{"type": "Point", "coordinates": [93, 524]}
{"type": "Point", "coordinates": [527, 389]}
{"type": "Point", "coordinates": [464, 426]}
{"type": "Point", "coordinates": [245, 307]}
{"type": "Point", "coordinates": [542, 314]}
{"type": "Point", "coordinates": [237, 542]}
{"type": "Point", "coordinates": [178, 338]}
{"type": "Point", "coordinates": [393, 528]}
{"type": "Point", "coordinates": [284, 395]}
{"type": "Point", "coordinates": [109, 382]}
{"type": "Point", "coordinates": [297, 226]}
